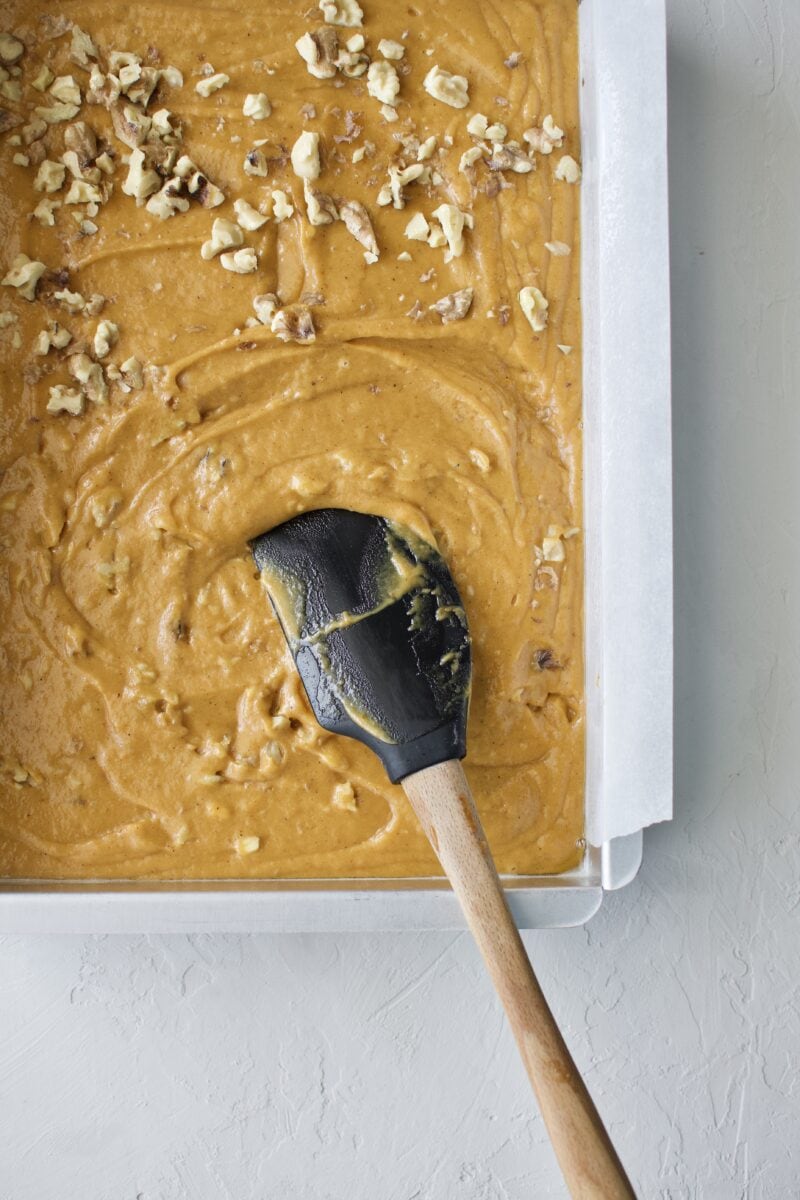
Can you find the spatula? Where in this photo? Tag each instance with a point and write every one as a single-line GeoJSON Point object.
{"type": "Point", "coordinates": [377, 630]}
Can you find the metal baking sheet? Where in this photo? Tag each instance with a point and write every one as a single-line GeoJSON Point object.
{"type": "Point", "coordinates": [619, 784]}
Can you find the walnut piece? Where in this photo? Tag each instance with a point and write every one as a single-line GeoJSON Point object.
{"type": "Point", "coordinates": [452, 221]}
{"type": "Point", "coordinates": [544, 138]}
{"type": "Point", "coordinates": [50, 177]}
{"type": "Point", "coordinates": [24, 275]}
{"type": "Point", "coordinates": [225, 235]}
{"type": "Point", "coordinates": [265, 307]}
{"type": "Point", "coordinates": [455, 306]}
{"type": "Point", "coordinates": [305, 156]}
{"type": "Point", "coordinates": [357, 222]}
{"type": "Point", "coordinates": [212, 83]}
{"type": "Point", "coordinates": [257, 106]}
{"type": "Point", "coordinates": [449, 89]}
{"type": "Point", "coordinates": [90, 375]}
{"type": "Point", "coordinates": [383, 82]}
{"type": "Point", "coordinates": [64, 399]}
{"type": "Point", "coordinates": [240, 262]}
{"type": "Point", "coordinates": [567, 170]}
{"type": "Point", "coordinates": [248, 217]}
{"type": "Point", "coordinates": [534, 306]}
{"type": "Point", "coordinates": [82, 48]}
{"type": "Point", "coordinates": [347, 13]}
{"type": "Point", "coordinates": [81, 140]}
{"type": "Point", "coordinates": [294, 324]}
{"type": "Point", "coordinates": [509, 157]}
{"type": "Point", "coordinates": [11, 49]}
{"type": "Point", "coordinates": [321, 208]}
{"type": "Point", "coordinates": [319, 52]}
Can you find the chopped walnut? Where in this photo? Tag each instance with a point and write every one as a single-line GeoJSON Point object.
{"type": "Point", "coordinates": [82, 48]}
{"type": "Point", "coordinates": [391, 49]}
{"type": "Point", "coordinates": [282, 208]}
{"type": "Point", "coordinates": [509, 157]}
{"type": "Point", "coordinates": [131, 126]}
{"type": "Point", "coordinates": [90, 376]}
{"type": "Point", "coordinates": [545, 660]}
{"type": "Point", "coordinates": [65, 88]}
{"type": "Point", "coordinates": [344, 797]}
{"type": "Point", "coordinates": [449, 89]}
{"type": "Point", "coordinates": [64, 399]}
{"type": "Point", "coordinates": [534, 306]}
{"type": "Point", "coordinates": [305, 156]}
{"type": "Point", "coordinates": [81, 140]}
{"type": "Point", "coordinates": [132, 374]}
{"type": "Point", "coordinates": [33, 131]}
{"type": "Point", "coordinates": [240, 262]}
{"type": "Point", "coordinates": [347, 13]}
{"type": "Point", "coordinates": [57, 113]}
{"type": "Point", "coordinates": [452, 221]}
{"type": "Point", "coordinates": [455, 306]}
{"type": "Point", "coordinates": [319, 51]}
{"type": "Point", "coordinates": [265, 307]}
{"type": "Point", "coordinates": [212, 83]}
{"type": "Point", "coordinates": [544, 138]}
{"type": "Point", "coordinates": [42, 79]}
{"type": "Point", "coordinates": [106, 336]}
{"type": "Point", "coordinates": [50, 177]}
{"type": "Point", "coordinates": [248, 217]}
{"type": "Point", "coordinates": [553, 549]}
{"type": "Point", "coordinates": [357, 222]}
{"type": "Point", "coordinates": [294, 324]}
{"type": "Point", "coordinates": [383, 82]}
{"type": "Point", "coordinates": [54, 337]}
{"type": "Point", "coordinates": [257, 106]}
{"type": "Point", "coordinates": [73, 302]}
{"type": "Point", "coordinates": [469, 158]}
{"type": "Point", "coordinates": [11, 49]}
{"type": "Point", "coordinates": [225, 235]}
{"type": "Point", "coordinates": [417, 229]}
{"type": "Point", "coordinates": [168, 201]}
{"type": "Point", "coordinates": [321, 209]}
{"type": "Point", "coordinates": [567, 170]}
{"type": "Point", "coordinates": [247, 845]}
{"type": "Point", "coordinates": [81, 192]}
{"type": "Point", "coordinates": [24, 275]}
{"type": "Point", "coordinates": [399, 178]}
{"type": "Point", "coordinates": [255, 163]}
{"type": "Point", "coordinates": [9, 120]}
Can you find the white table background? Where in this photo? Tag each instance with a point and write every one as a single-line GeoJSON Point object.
{"type": "Point", "coordinates": [379, 1067]}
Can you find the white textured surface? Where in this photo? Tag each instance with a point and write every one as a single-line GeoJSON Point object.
{"type": "Point", "coordinates": [378, 1067]}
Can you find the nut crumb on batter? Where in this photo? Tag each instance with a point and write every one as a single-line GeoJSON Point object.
{"type": "Point", "coordinates": [257, 106]}
{"type": "Point", "coordinates": [213, 83]}
{"type": "Point", "coordinates": [534, 306]}
{"type": "Point", "coordinates": [305, 156]}
{"type": "Point", "coordinates": [567, 169]}
{"type": "Point", "coordinates": [240, 262]}
{"type": "Point", "coordinates": [449, 89]}
{"type": "Point", "coordinates": [453, 307]}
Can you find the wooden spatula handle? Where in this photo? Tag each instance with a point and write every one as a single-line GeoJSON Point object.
{"type": "Point", "coordinates": [441, 798]}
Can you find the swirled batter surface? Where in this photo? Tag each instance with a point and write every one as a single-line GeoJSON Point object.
{"type": "Point", "coordinates": [153, 725]}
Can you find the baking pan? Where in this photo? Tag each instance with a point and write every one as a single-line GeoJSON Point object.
{"type": "Point", "coordinates": [627, 539]}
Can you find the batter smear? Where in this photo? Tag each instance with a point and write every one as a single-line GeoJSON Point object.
{"type": "Point", "coordinates": [257, 261]}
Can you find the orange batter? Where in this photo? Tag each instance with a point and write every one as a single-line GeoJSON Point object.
{"type": "Point", "coordinates": [413, 350]}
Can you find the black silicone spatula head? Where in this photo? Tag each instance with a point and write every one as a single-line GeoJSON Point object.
{"type": "Point", "coordinates": [377, 630]}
